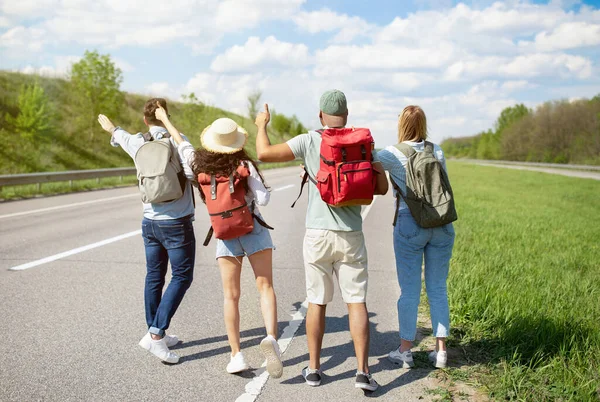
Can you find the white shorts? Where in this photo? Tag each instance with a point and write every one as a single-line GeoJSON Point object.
{"type": "Point", "coordinates": [343, 254]}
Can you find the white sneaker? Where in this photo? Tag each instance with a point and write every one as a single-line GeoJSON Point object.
{"type": "Point", "coordinates": [159, 349]}
{"type": "Point", "coordinates": [405, 359]}
{"type": "Point", "coordinates": [170, 340]}
{"type": "Point", "coordinates": [237, 364]}
{"type": "Point", "coordinates": [439, 359]}
{"type": "Point", "coordinates": [270, 349]}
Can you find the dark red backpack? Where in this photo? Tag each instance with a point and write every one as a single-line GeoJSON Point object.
{"type": "Point", "coordinates": [346, 176]}
{"type": "Point", "coordinates": [230, 215]}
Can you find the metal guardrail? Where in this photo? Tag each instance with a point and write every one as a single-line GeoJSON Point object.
{"type": "Point", "coordinates": [538, 164]}
{"type": "Point", "coordinates": [70, 175]}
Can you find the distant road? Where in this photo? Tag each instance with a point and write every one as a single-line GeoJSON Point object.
{"type": "Point", "coordinates": [581, 171]}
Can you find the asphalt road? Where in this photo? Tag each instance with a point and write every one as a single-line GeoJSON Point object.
{"type": "Point", "coordinates": [71, 323]}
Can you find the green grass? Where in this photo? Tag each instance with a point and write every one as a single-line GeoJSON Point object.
{"type": "Point", "coordinates": [524, 286]}
{"type": "Point", "coordinates": [32, 190]}
{"type": "Point", "coordinates": [71, 147]}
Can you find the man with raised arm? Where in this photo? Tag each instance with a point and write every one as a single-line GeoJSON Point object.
{"type": "Point", "coordinates": [334, 245]}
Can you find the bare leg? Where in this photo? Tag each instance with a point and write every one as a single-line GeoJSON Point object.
{"type": "Point", "coordinates": [231, 269]}
{"type": "Point", "coordinates": [405, 345]}
{"type": "Point", "coordinates": [262, 264]}
{"type": "Point", "coordinates": [358, 317]}
{"type": "Point", "coordinates": [315, 329]}
{"type": "Point", "coordinates": [440, 344]}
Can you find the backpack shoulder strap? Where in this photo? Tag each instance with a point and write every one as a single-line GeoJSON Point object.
{"type": "Point", "coordinates": [429, 147]}
{"type": "Point", "coordinates": [398, 195]}
{"type": "Point", "coordinates": [305, 178]}
{"type": "Point", "coordinates": [147, 137]}
{"type": "Point", "coordinates": [406, 149]}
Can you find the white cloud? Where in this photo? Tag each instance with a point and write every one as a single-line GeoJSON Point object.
{"type": "Point", "coordinates": [326, 20]}
{"type": "Point", "coordinates": [570, 35]}
{"type": "Point", "coordinates": [266, 53]}
{"type": "Point", "coordinates": [235, 14]}
{"type": "Point", "coordinates": [198, 23]}
{"type": "Point", "coordinates": [532, 65]}
{"type": "Point", "coordinates": [60, 69]}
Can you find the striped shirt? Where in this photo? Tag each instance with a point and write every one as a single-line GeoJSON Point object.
{"type": "Point", "coordinates": [394, 162]}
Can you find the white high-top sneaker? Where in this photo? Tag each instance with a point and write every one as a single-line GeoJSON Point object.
{"type": "Point", "coordinates": [439, 359]}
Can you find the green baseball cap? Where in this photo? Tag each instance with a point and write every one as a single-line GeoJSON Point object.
{"type": "Point", "coordinates": [333, 102]}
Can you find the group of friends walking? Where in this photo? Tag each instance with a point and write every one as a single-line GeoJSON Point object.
{"type": "Point", "coordinates": [334, 248]}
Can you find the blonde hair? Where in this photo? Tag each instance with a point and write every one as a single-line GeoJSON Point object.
{"type": "Point", "coordinates": [412, 124]}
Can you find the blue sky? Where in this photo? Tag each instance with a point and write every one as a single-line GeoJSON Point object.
{"type": "Point", "coordinates": [463, 62]}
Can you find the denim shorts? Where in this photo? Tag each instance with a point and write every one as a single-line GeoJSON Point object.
{"type": "Point", "coordinates": [257, 240]}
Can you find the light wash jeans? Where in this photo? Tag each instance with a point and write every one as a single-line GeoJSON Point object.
{"type": "Point", "coordinates": [411, 243]}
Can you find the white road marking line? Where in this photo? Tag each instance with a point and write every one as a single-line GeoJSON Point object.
{"type": "Point", "coordinates": [366, 210]}
{"type": "Point", "coordinates": [254, 387]}
{"type": "Point", "coordinates": [76, 204]}
{"type": "Point", "coordinates": [74, 251]}
{"type": "Point", "coordinates": [284, 187]}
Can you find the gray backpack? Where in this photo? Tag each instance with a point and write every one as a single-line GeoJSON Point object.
{"type": "Point", "coordinates": [159, 171]}
{"type": "Point", "coordinates": [428, 192]}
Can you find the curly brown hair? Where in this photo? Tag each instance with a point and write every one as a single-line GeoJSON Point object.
{"type": "Point", "coordinates": [221, 164]}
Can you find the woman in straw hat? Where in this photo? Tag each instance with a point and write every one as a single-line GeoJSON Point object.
{"type": "Point", "coordinates": [223, 142]}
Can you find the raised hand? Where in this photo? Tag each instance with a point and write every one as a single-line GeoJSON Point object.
{"type": "Point", "coordinates": [263, 118]}
{"type": "Point", "coordinates": [106, 124]}
{"type": "Point", "coordinates": [161, 113]}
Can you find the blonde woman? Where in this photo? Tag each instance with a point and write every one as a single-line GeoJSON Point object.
{"type": "Point", "coordinates": [413, 244]}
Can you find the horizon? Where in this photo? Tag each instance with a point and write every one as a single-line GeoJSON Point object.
{"type": "Point", "coordinates": [461, 62]}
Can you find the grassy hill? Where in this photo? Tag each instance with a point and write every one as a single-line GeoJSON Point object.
{"type": "Point", "coordinates": [68, 147]}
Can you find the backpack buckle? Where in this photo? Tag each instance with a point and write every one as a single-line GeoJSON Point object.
{"type": "Point", "coordinates": [226, 214]}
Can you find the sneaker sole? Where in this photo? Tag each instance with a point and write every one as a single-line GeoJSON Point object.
{"type": "Point", "coordinates": [366, 387]}
{"type": "Point", "coordinates": [237, 370]}
{"type": "Point", "coordinates": [274, 365]}
{"type": "Point", "coordinates": [313, 383]}
{"type": "Point", "coordinates": [402, 363]}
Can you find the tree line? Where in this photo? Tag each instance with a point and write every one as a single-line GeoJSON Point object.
{"type": "Point", "coordinates": [556, 132]}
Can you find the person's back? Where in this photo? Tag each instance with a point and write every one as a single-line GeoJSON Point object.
{"type": "Point", "coordinates": [232, 187]}
{"type": "Point", "coordinates": [334, 246]}
{"type": "Point", "coordinates": [415, 245]}
{"type": "Point", "coordinates": [168, 233]}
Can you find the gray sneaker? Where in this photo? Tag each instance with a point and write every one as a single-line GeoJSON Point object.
{"type": "Point", "coordinates": [312, 376]}
{"type": "Point", "coordinates": [404, 359]}
{"type": "Point", "coordinates": [365, 381]}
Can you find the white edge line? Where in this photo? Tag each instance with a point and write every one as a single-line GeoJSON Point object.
{"type": "Point", "coordinates": [284, 187]}
{"type": "Point", "coordinates": [366, 211]}
{"type": "Point", "coordinates": [73, 251]}
{"type": "Point", "coordinates": [76, 204]}
{"type": "Point", "coordinates": [255, 387]}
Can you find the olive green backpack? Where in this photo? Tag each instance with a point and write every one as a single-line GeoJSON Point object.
{"type": "Point", "coordinates": [428, 192]}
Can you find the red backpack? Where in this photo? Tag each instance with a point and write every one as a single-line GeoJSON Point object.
{"type": "Point", "coordinates": [345, 175]}
{"type": "Point", "coordinates": [225, 197]}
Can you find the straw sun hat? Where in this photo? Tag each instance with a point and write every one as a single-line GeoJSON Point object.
{"type": "Point", "coordinates": [224, 136]}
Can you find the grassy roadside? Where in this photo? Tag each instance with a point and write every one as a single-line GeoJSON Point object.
{"type": "Point", "coordinates": [46, 189]}
{"type": "Point", "coordinates": [525, 284]}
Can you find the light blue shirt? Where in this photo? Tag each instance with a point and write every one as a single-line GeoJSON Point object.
{"type": "Point", "coordinates": [394, 162]}
{"type": "Point", "coordinates": [179, 208]}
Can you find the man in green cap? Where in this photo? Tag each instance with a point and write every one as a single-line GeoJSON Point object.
{"type": "Point", "coordinates": [334, 245]}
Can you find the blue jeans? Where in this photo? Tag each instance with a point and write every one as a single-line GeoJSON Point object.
{"type": "Point", "coordinates": [411, 243]}
{"type": "Point", "coordinates": [167, 240]}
